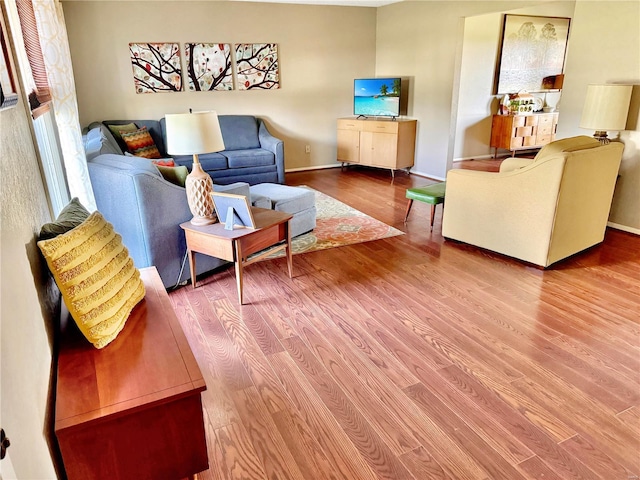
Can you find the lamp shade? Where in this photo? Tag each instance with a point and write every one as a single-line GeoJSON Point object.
{"type": "Point", "coordinates": [193, 133]}
{"type": "Point", "coordinates": [606, 107]}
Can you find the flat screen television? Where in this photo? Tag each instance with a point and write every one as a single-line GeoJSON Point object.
{"type": "Point", "coordinates": [377, 97]}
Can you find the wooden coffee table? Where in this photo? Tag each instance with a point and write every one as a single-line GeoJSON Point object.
{"type": "Point", "coordinates": [272, 230]}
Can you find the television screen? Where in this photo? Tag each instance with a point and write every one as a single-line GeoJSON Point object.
{"type": "Point", "coordinates": [377, 97]}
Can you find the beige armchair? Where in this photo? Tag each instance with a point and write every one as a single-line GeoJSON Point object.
{"type": "Point", "coordinates": [540, 210]}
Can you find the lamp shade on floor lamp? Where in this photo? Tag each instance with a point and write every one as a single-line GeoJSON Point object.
{"type": "Point", "coordinates": [605, 109]}
{"type": "Point", "coordinates": [195, 134]}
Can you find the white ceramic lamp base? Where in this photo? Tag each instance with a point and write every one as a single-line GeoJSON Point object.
{"type": "Point", "coordinates": [199, 187]}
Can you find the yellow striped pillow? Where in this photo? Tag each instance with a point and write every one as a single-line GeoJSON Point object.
{"type": "Point", "coordinates": [96, 276]}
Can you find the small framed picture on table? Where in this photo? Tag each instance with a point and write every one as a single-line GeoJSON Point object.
{"type": "Point", "coordinates": [233, 210]}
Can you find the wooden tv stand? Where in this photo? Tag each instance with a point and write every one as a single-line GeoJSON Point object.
{"type": "Point", "coordinates": [377, 143]}
{"type": "Point", "coordinates": [132, 409]}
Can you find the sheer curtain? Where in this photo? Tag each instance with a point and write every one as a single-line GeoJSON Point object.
{"type": "Point", "coordinates": [57, 59]}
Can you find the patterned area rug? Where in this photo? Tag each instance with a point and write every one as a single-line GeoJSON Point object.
{"type": "Point", "coordinates": [338, 224]}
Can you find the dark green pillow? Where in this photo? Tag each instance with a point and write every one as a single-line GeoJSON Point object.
{"type": "Point", "coordinates": [175, 175]}
{"type": "Point", "coordinates": [69, 218]}
{"type": "Point", "coordinates": [118, 130]}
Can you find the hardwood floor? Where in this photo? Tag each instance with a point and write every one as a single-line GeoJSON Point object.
{"type": "Point", "coordinates": [418, 358]}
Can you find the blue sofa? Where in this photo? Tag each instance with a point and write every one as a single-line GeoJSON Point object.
{"type": "Point", "coordinates": [251, 153]}
{"type": "Point", "coordinates": [147, 210]}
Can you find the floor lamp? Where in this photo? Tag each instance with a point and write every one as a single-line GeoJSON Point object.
{"type": "Point", "coordinates": [606, 108]}
{"type": "Point", "coordinates": [194, 134]}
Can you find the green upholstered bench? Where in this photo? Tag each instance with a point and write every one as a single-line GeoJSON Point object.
{"type": "Point", "coordinates": [432, 194]}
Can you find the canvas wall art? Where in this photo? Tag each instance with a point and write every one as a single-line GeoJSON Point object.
{"type": "Point", "coordinates": [208, 66]}
{"type": "Point", "coordinates": [156, 67]}
{"type": "Point", "coordinates": [257, 66]}
{"type": "Point", "coordinates": [532, 48]}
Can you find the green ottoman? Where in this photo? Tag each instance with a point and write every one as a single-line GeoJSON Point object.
{"type": "Point", "coordinates": [432, 194]}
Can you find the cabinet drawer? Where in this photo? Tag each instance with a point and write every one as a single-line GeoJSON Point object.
{"type": "Point", "coordinates": [546, 129]}
{"type": "Point", "coordinates": [525, 131]}
{"type": "Point", "coordinates": [543, 139]}
{"type": "Point", "coordinates": [544, 120]}
{"type": "Point", "coordinates": [518, 121]}
{"type": "Point", "coordinates": [345, 124]}
{"type": "Point", "coordinates": [381, 127]}
{"type": "Point", "coordinates": [516, 142]}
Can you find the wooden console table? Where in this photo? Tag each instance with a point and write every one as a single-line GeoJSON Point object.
{"type": "Point", "coordinates": [523, 132]}
{"type": "Point", "coordinates": [132, 409]}
{"type": "Point", "coordinates": [272, 228]}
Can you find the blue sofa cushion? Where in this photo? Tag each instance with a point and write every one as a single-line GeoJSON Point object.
{"type": "Point", "coordinates": [240, 132]}
{"type": "Point", "coordinates": [209, 161]}
{"type": "Point", "coordinates": [255, 157]}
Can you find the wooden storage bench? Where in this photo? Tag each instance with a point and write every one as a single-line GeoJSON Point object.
{"type": "Point", "coordinates": [132, 409]}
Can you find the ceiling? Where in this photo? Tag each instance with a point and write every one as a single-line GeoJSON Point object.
{"type": "Point", "coordinates": [353, 3]}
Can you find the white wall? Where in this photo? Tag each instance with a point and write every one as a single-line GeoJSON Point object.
{"type": "Point", "coordinates": [426, 40]}
{"type": "Point", "coordinates": [605, 48]}
{"type": "Point", "coordinates": [321, 50]}
{"type": "Point", "coordinates": [27, 304]}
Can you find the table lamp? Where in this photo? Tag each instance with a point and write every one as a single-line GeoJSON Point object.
{"type": "Point", "coordinates": [606, 108]}
{"type": "Point", "coordinates": [193, 134]}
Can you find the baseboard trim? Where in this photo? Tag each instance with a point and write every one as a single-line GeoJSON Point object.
{"type": "Point", "coordinates": [427, 175]}
{"type": "Point", "coordinates": [313, 167]}
{"type": "Point", "coordinates": [475, 157]}
{"type": "Point", "coordinates": [624, 228]}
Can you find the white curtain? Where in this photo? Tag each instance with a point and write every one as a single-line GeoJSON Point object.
{"type": "Point", "coordinates": [57, 59]}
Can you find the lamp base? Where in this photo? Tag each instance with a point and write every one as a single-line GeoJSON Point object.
{"type": "Point", "coordinates": [601, 136]}
{"type": "Point", "coordinates": [199, 187]}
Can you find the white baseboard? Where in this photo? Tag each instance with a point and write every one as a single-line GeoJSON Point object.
{"type": "Point", "coordinates": [427, 175]}
{"type": "Point", "coordinates": [624, 228]}
{"type": "Point", "coordinates": [313, 167]}
{"type": "Point", "coordinates": [475, 157]}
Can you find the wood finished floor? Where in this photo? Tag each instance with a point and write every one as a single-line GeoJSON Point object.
{"type": "Point", "coordinates": [418, 358]}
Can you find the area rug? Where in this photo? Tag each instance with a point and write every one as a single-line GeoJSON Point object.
{"type": "Point", "coordinates": [337, 225]}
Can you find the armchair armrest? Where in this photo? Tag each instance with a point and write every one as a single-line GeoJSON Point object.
{"type": "Point", "coordinates": [510, 164]}
{"type": "Point", "coordinates": [509, 212]}
{"type": "Point", "coordinates": [273, 144]}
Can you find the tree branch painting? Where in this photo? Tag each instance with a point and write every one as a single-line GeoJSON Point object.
{"type": "Point", "coordinates": [209, 66]}
{"type": "Point", "coordinates": [156, 67]}
{"type": "Point", "coordinates": [257, 66]}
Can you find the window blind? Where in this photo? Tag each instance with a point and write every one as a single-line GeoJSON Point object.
{"type": "Point", "coordinates": [40, 98]}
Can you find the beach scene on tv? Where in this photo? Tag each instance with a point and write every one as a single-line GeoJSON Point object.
{"type": "Point", "coordinates": [376, 97]}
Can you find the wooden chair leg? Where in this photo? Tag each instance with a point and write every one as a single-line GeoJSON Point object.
{"type": "Point", "coordinates": [406, 215]}
{"type": "Point", "coordinates": [433, 214]}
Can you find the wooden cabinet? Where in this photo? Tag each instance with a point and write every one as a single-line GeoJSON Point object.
{"type": "Point", "coordinates": [132, 409]}
{"type": "Point", "coordinates": [377, 143]}
{"type": "Point", "coordinates": [522, 132]}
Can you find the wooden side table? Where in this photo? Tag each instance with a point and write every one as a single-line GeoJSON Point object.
{"type": "Point", "coordinates": [272, 228]}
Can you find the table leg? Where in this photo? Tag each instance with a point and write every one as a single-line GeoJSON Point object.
{"type": "Point", "coordinates": [192, 267]}
{"type": "Point", "coordinates": [289, 252]}
{"type": "Point", "coordinates": [406, 215]}
{"type": "Point", "coordinates": [238, 249]}
{"type": "Point", "coordinates": [433, 214]}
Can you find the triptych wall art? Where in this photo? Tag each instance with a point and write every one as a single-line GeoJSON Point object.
{"type": "Point", "coordinates": [157, 67]}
